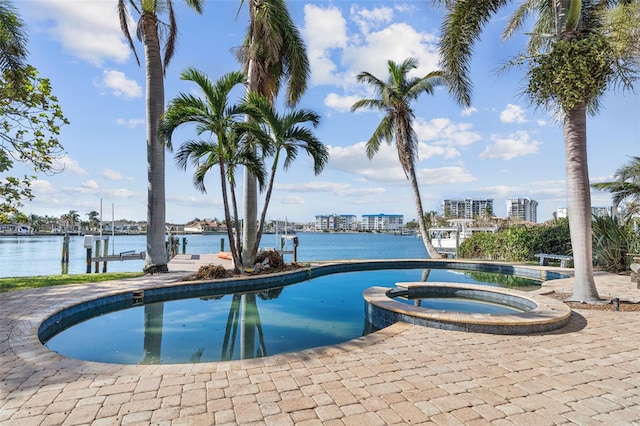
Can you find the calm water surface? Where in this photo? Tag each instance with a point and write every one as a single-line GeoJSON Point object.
{"type": "Point", "coordinates": [27, 255]}
{"type": "Point", "coordinates": [323, 311]}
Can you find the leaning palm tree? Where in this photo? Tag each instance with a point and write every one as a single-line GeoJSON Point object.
{"type": "Point", "coordinates": [214, 116]}
{"type": "Point", "coordinates": [278, 133]}
{"type": "Point", "coordinates": [149, 31]}
{"type": "Point", "coordinates": [395, 97]}
{"type": "Point", "coordinates": [626, 185]}
{"type": "Point", "coordinates": [273, 53]}
{"type": "Point", "coordinates": [577, 50]}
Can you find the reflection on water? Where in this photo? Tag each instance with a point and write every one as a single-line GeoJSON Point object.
{"type": "Point", "coordinates": [324, 311]}
{"type": "Point", "coordinates": [153, 319]}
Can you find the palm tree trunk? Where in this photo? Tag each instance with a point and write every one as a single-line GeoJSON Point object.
{"type": "Point", "coordinates": [227, 217]}
{"type": "Point", "coordinates": [250, 194]}
{"type": "Point", "coordinates": [424, 232]}
{"type": "Point", "coordinates": [267, 199]}
{"type": "Point", "coordinates": [237, 234]}
{"type": "Point", "coordinates": [579, 203]}
{"type": "Point", "coordinates": [156, 255]}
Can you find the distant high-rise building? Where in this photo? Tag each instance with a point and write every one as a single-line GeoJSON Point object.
{"type": "Point", "coordinates": [561, 212]}
{"type": "Point", "coordinates": [336, 222]}
{"type": "Point", "coordinates": [466, 208]}
{"type": "Point", "coordinates": [381, 222]}
{"type": "Point", "coordinates": [523, 208]}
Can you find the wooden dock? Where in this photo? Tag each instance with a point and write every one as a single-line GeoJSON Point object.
{"type": "Point", "coordinates": [127, 255]}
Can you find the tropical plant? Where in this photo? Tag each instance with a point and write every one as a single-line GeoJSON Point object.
{"type": "Point", "coordinates": [273, 53]}
{"type": "Point", "coordinates": [69, 220]}
{"type": "Point", "coordinates": [94, 219]}
{"type": "Point", "coordinates": [395, 97]}
{"type": "Point", "coordinates": [613, 241]}
{"type": "Point", "coordinates": [574, 54]}
{"type": "Point", "coordinates": [626, 186]}
{"type": "Point", "coordinates": [215, 117]}
{"type": "Point", "coordinates": [149, 30]}
{"type": "Point", "coordinates": [280, 133]}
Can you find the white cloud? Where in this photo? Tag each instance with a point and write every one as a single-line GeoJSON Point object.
{"type": "Point", "coordinates": [113, 175]}
{"type": "Point", "coordinates": [119, 85]}
{"type": "Point", "coordinates": [512, 114]}
{"type": "Point", "coordinates": [88, 30]}
{"type": "Point", "coordinates": [68, 165]}
{"type": "Point", "coordinates": [131, 123]}
{"type": "Point", "coordinates": [340, 103]}
{"type": "Point", "coordinates": [334, 189]}
{"type": "Point", "coordinates": [42, 187]}
{"type": "Point", "coordinates": [515, 145]}
{"type": "Point", "coordinates": [88, 187]}
{"type": "Point", "coordinates": [291, 200]}
{"type": "Point", "coordinates": [331, 47]}
{"type": "Point", "coordinates": [442, 131]}
{"type": "Point", "coordinates": [468, 111]}
{"type": "Point", "coordinates": [368, 18]}
{"type": "Point", "coordinates": [444, 175]}
{"type": "Point", "coordinates": [314, 186]}
{"type": "Point", "coordinates": [324, 30]}
{"type": "Point", "coordinates": [378, 47]}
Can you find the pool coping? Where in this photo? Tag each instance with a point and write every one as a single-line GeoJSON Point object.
{"type": "Point", "coordinates": [548, 314]}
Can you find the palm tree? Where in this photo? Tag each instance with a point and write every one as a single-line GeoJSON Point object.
{"type": "Point", "coordinates": [281, 132]}
{"type": "Point", "coordinates": [395, 97]}
{"type": "Point", "coordinates": [572, 56]}
{"type": "Point", "coordinates": [13, 43]}
{"type": "Point", "coordinates": [70, 219]}
{"type": "Point", "coordinates": [626, 186]}
{"type": "Point", "coordinates": [94, 220]}
{"type": "Point", "coordinates": [273, 53]}
{"type": "Point", "coordinates": [149, 30]}
{"type": "Point", "coordinates": [214, 116]}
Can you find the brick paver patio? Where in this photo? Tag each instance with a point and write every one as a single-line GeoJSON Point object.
{"type": "Point", "coordinates": [585, 373]}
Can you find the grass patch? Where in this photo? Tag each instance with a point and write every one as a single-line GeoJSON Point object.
{"type": "Point", "coordinates": [39, 281]}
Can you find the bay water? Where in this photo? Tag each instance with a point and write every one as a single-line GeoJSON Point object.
{"type": "Point", "coordinates": [41, 255]}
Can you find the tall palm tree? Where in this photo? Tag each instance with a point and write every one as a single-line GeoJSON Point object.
{"type": "Point", "coordinates": [571, 61]}
{"type": "Point", "coordinates": [149, 31]}
{"type": "Point", "coordinates": [395, 97]}
{"type": "Point", "coordinates": [273, 53]}
{"type": "Point", "coordinates": [214, 116]}
{"type": "Point", "coordinates": [626, 185]}
{"type": "Point", "coordinates": [278, 133]}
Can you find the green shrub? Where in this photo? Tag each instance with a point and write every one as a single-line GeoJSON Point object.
{"type": "Point", "coordinates": [518, 243]}
{"type": "Point", "coordinates": [612, 243]}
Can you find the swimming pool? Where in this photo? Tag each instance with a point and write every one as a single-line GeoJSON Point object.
{"type": "Point", "coordinates": [217, 324]}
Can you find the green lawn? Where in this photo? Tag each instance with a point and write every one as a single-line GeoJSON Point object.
{"type": "Point", "coordinates": [23, 283]}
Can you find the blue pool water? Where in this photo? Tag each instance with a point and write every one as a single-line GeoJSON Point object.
{"type": "Point", "coordinates": [460, 304]}
{"type": "Point", "coordinates": [318, 312]}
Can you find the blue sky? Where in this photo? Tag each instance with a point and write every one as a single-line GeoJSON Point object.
{"type": "Point", "coordinates": [499, 148]}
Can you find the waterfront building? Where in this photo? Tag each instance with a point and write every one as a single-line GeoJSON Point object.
{"type": "Point", "coordinates": [522, 208]}
{"type": "Point", "coordinates": [561, 212]}
{"type": "Point", "coordinates": [466, 208]}
{"type": "Point", "coordinates": [381, 222]}
{"type": "Point", "coordinates": [336, 222]}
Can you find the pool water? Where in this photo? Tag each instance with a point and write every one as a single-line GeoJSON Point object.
{"type": "Point", "coordinates": [461, 304]}
{"type": "Point", "coordinates": [323, 311]}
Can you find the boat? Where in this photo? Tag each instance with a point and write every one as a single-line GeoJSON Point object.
{"type": "Point", "coordinates": [447, 240]}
